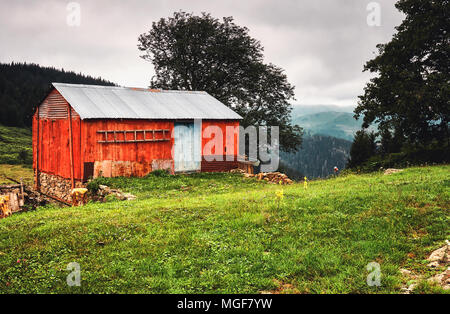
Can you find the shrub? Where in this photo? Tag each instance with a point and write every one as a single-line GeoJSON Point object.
{"type": "Point", "coordinates": [93, 186]}
{"type": "Point", "coordinates": [159, 173]}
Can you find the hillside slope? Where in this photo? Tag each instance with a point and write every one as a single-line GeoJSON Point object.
{"type": "Point", "coordinates": [221, 233]}
{"type": "Point", "coordinates": [317, 157]}
{"type": "Point", "coordinates": [15, 145]}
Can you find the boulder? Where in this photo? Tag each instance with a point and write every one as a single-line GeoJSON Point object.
{"type": "Point", "coordinates": [392, 170]}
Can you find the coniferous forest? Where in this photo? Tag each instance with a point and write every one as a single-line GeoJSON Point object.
{"type": "Point", "coordinates": [24, 85]}
{"type": "Point", "coordinates": [317, 157]}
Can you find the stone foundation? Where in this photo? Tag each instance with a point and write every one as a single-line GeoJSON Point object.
{"type": "Point", "coordinates": [57, 186]}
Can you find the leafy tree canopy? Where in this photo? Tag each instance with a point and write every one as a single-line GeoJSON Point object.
{"type": "Point", "coordinates": [219, 57]}
{"type": "Point", "coordinates": [410, 94]}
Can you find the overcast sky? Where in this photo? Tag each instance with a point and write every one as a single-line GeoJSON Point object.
{"type": "Point", "coordinates": [321, 44]}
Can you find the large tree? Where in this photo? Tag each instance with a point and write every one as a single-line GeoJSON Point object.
{"type": "Point", "coordinates": [217, 56]}
{"type": "Point", "coordinates": [410, 94]}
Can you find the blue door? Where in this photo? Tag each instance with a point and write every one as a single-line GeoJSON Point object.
{"type": "Point", "coordinates": [187, 150]}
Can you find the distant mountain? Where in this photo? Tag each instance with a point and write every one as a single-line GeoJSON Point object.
{"type": "Point", "coordinates": [23, 86]}
{"type": "Point", "coordinates": [317, 157]}
{"type": "Point", "coordinates": [337, 124]}
{"type": "Point", "coordinates": [327, 120]}
{"type": "Point", "coordinates": [303, 110]}
{"type": "Point", "coordinates": [329, 131]}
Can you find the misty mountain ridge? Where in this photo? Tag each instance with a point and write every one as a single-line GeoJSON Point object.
{"type": "Point", "coordinates": [299, 110]}
{"type": "Point", "coordinates": [331, 120]}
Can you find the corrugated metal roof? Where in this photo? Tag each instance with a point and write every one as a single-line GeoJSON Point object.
{"type": "Point", "coordinates": [112, 102]}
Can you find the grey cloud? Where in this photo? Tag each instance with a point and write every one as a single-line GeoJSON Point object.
{"type": "Point", "coordinates": [322, 44]}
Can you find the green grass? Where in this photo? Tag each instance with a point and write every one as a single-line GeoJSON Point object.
{"type": "Point", "coordinates": [17, 172]}
{"type": "Point", "coordinates": [221, 233]}
{"type": "Point", "coordinates": [15, 145]}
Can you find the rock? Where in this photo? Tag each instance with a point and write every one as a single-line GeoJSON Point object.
{"type": "Point", "coordinates": [409, 289]}
{"type": "Point", "coordinates": [392, 170]}
{"type": "Point", "coordinates": [104, 187]}
{"type": "Point", "coordinates": [433, 264]}
{"type": "Point", "coordinates": [129, 196]}
{"type": "Point", "coordinates": [57, 186]}
{"type": "Point", "coordinates": [120, 196]}
{"type": "Point", "coordinates": [439, 257]}
{"type": "Point", "coordinates": [405, 272]}
{"type": "Point", "coordinates": [442, 279]}
{"type": "Point", "coordinates": [105, 191]}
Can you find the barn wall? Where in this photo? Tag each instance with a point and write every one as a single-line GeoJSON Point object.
{"type": "Point", "coordinates": [110, 159]}
{"type": "Point", "coordinates": [54, 150]}
{"type": "Point", "coordinates": [220, 162]}
{"type": "Point", "coordinates": [125, 159]}
{"type": "Point", "coordinates": [232, 138]}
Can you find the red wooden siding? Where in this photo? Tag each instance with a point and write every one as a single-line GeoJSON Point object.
{"type": "Point", "coordinates": [231, 137]}
{"type": "Point", "coordinates": [51, 142]}
{"type": "Point", "coordinates": [220, 163]}
{"type": "Point", "coordinates": [141, 153]}
{"type": "Point", "coordinates": [54, 150]}
{"type": "Point", "coordinates": [55, 107]}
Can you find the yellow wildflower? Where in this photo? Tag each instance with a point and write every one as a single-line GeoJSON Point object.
{"type": "Point", "coordinates": [280, 195]}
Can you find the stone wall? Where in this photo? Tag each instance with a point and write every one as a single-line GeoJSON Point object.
{"type": "Point", "coordinates": [57, 186]}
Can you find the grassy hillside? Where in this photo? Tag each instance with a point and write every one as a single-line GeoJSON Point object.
{"type": "Point", "coordinates": [222, 233]}
{"type": "Point", "coordinates": [24, 172]}
{"type": "Point", "coordinates": [15, 145]}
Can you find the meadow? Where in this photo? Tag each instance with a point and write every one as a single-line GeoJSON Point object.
{"type": "Point", "coordinates": [222, 233]}
{"type": "Point", "coordinates": [15, 145]}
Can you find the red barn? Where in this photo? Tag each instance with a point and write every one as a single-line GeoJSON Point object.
{"type": "Point", "coordinates": [83, 131]}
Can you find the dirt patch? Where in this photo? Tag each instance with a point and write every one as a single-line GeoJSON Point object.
{"type": "Point", "coordinates": [283, 288]}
